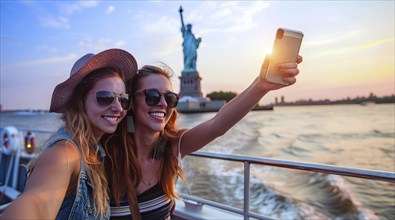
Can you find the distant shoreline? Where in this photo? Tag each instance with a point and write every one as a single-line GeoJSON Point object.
{"type": "Point", "coordinates": [39, 112]}
{"type": "Point", "coordinates": [372, 99]}
{"type": "Point", "coordinates": [358, 101]}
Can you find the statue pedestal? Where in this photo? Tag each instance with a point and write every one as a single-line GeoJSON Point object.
{"type": "Point", "coordinates": [192, 100]}
{"type": "Point", "coordinates": [190, 84]}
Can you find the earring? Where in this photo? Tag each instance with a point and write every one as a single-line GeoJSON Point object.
{"type": "Point", "coordinates": [130, 124]}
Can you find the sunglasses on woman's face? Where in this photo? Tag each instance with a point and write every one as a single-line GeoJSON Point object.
{"type": "Point", "coordinates": [106, 98]}
{"type": "Point", "coordinates": [153, 96]}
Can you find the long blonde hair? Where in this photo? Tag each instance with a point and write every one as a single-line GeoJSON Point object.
{"type": "Point", "coordinates": [76, 122]}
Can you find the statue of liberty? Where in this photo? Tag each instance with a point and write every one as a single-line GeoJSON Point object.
{"type": "Point", "coordinates": [190, 46]}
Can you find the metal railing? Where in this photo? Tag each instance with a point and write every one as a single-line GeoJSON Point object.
{"type": "Point", "coordinates": [247, 161]}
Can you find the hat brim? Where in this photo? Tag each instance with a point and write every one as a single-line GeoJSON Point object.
{"type": "Point", "coordinates": [115, 58]}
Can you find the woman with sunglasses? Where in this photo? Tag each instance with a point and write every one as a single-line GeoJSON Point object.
{"type": "Point", "coordinates": [68, 181]}
{"type": "Point", "coordinates": [158, 145]}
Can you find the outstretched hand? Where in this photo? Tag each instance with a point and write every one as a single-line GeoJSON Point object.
{"type": "Point", "coordinates": [290, 69]}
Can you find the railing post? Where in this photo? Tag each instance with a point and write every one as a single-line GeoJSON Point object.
{"type": "Point", "coordinates": [246, 190]}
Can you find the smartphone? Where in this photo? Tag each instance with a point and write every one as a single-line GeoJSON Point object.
{"type": "Point", "coordinates": [285, 50]}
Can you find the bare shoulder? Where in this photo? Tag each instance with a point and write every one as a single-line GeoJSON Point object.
{"type": "Point", "coordinates": [54, 168]}
{"type": "Point", "coordinates": [62, 154]}
{"type": "Point", "coordinates": [176, 142]}
{"type": "Point", "coordinates": [48, 182]}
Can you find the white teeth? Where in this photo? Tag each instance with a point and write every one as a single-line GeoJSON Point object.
{"type": "Point", "coordinates": [109, 118]}
{"type": "Point", "coordinates": [158, 114]}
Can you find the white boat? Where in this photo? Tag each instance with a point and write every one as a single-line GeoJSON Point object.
{"type": "Point", "coordinates": [16, 145]}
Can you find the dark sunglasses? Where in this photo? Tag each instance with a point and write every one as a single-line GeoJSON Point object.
{"type": "Point", "coordinates": [106, 98]}
{"type": "Point", "coordinates": [152, 97]}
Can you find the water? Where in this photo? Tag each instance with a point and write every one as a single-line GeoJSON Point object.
{"type": "Point", "coordinates": [343, 135]}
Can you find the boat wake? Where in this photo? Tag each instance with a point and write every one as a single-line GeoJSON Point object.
{"type": "Point", "coordinates": [308, 195]}
{"type": "Point", "coordinates": [279, 193]}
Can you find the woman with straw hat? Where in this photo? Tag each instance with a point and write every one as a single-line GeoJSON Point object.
{"type": "Point", "coordinates": [68, 180]}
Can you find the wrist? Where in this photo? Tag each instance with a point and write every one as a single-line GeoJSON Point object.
{"type": "Point", "coordinates": [261, 85]}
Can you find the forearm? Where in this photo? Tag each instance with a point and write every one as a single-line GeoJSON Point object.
{"type": "Point", "coordinates": [233, 111]}
{"type": "Point", "coordinates": [27, 206]}
{"type": "Point", "coordinates": [238, 107]}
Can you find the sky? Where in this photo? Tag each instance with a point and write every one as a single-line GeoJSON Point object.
{"type": "Point", "coordinates": [348, 46]}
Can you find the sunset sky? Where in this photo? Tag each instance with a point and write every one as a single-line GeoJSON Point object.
{"type": "Point", "coordinates": [348, 46]}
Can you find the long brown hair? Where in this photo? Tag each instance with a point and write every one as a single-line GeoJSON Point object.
{"type": "Point", "coordinates": [170, 167]}
{"type": "Point", "coordinates": [123, 153]}
{"type": "Point", "coordinates": [122, 168]}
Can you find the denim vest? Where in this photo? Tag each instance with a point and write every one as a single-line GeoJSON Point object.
{"type": "Point", "coordinates": [79, 204]}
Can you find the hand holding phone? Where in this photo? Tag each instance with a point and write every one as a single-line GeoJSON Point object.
{"type": "Point", "coordinates": [285, 50]}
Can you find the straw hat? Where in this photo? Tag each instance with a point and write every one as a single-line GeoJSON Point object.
{"type": "Point", "coordinates": [116, 58]}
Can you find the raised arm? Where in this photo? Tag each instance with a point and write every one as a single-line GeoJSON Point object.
{"type": "Point", "coordinates": [233, 111]}
{"type": "Point", "coordinates": [47, 185]}
{"type": "Point", "coordinates": [182, 20]}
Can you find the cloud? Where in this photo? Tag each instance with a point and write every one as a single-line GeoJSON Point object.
{"type": "Point", "coordinates": [77, 6]}
{"type": "Point", "coordinates": [170, 45]}
{"type": "Point", "coordinates": [332, 40]}
{"type": "Point", "coordinates": [210, 17]}
{"type": "Point", "coordinates": [119, 43]}
{"type": "Point", "coordinates": [342, 50]}
{"type": "Point", "coordinates": [220, 16]}
{"type": "Point", "coordinates": [44, 61]}
{"type": "Point", "coordinates": [47, 48]}
{"type": "Point", "coordinates": [49, 22]}
{"type": "Point", "coordinates": [162, 25]}
{"type": "Point", "coordinates": [110, 9]}
{"type": "Point", "coordinates": [58, 19]}
{"type": "Point", "coordinates": [99, 44]}
{"type": "Point", "coordinates": [87, 4]}
{"type": "Point", "coordinates": [374, 43]}
{"type": "Point", "coordinates": [46, 18]}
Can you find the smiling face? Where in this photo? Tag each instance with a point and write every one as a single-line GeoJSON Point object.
{"type": "Point", "coordinates": [152, 118]}
{"type": "Point", "coordinates": [104, 119]}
